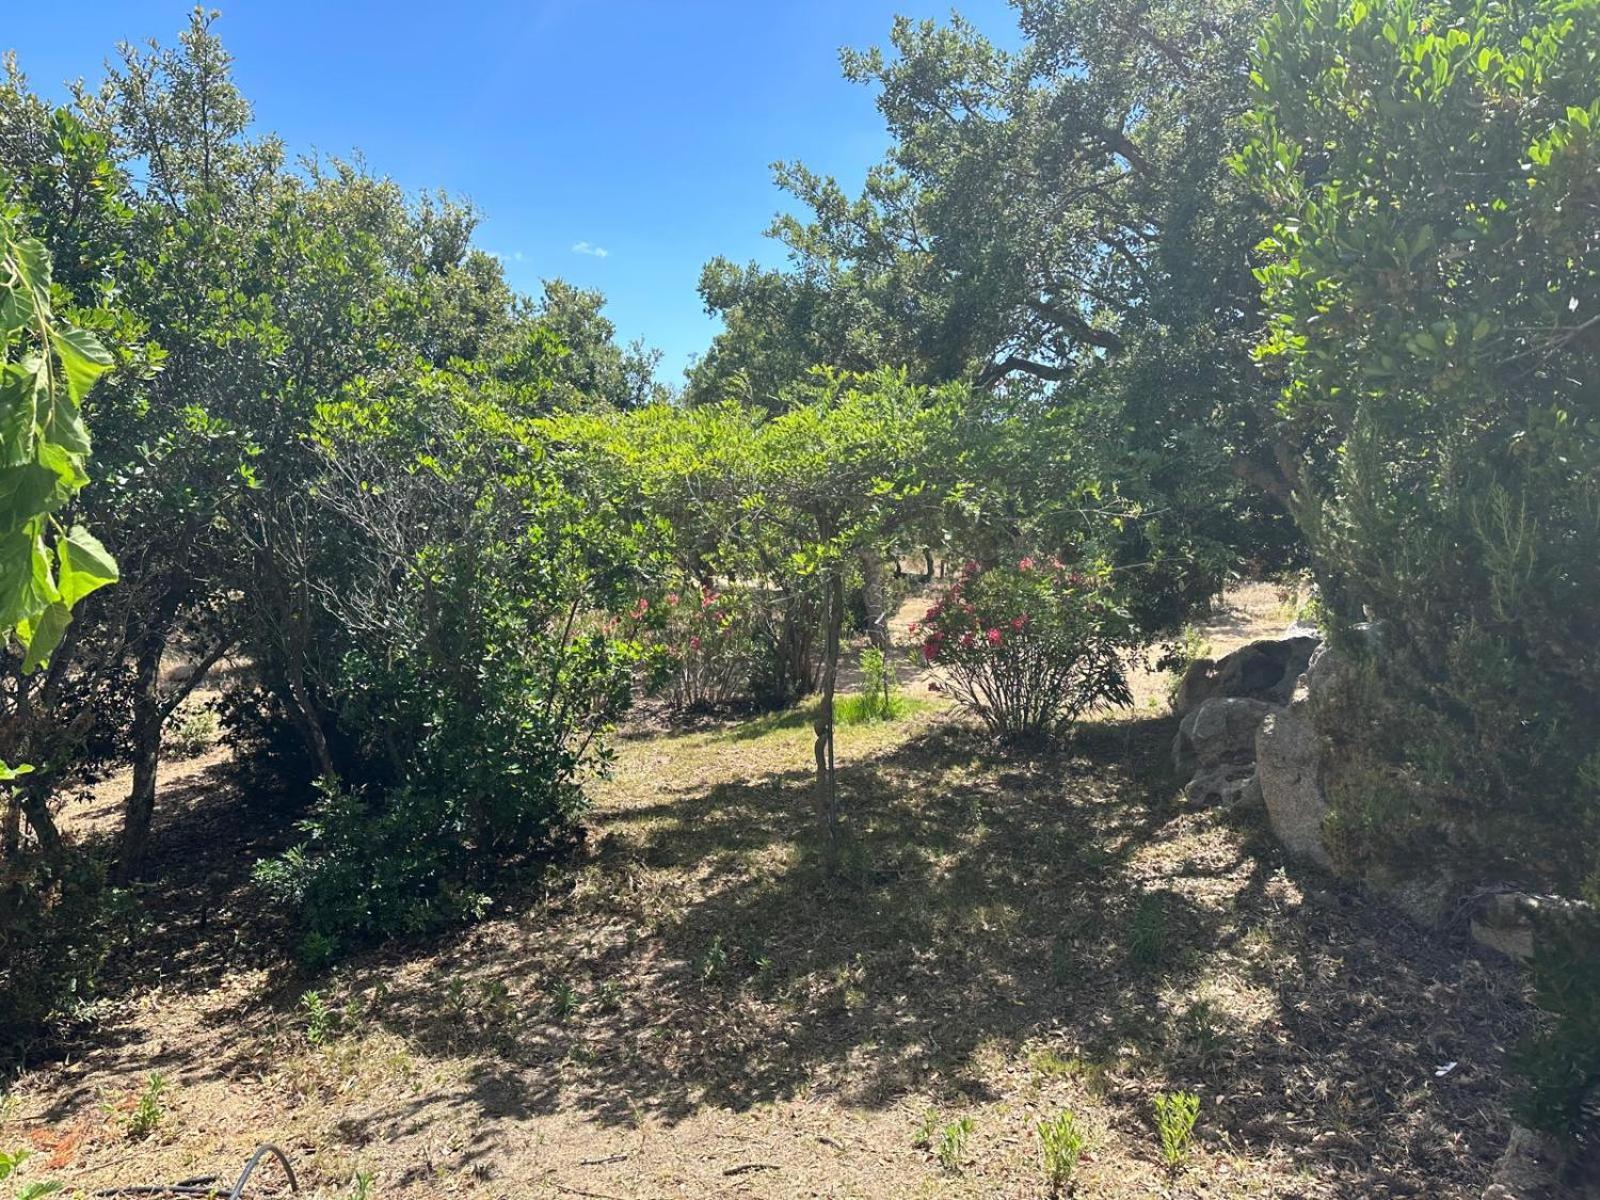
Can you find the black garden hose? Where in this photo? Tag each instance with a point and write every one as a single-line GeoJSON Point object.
{"type": "Point", "coordinates": [206, 1185]}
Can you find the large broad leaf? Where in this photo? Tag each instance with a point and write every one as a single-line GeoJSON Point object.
{"type": "Point", "coordinates": [16, 577]}
{"type": "Point", "coordinates": [43, 635]}
{"type": "Point", "coordinates": [29, 490]}
{"type": "Point", "coordinates": [86, 565]}
{"type": "Point", "coordinates": [26, 588]}
{"type": "Point", "coordinates": [65, 426]}
{"type": "Point", "coordinates": [33, 265]}
{"type": "Point", "coordinates": [18, 389]}
{"type": "Point", "coordinates": [84, 360]}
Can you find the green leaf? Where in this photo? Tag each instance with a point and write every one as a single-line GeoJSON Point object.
{"type": "Point", "coordinates": [27, 491]}
{"type": "Point", "coordinates": [86, 565]}
{"type": "Point", "coordinates": [83, 358]}
{"type": "Point", "coordinates": [7, 774]}
{"type": "Point", "coordinates": [42, 636]}
{"type": "Point", "coordinates": [18, 388]}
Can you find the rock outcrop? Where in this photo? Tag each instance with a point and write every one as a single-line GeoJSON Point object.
{"type": "Point", "coordinates": [1289, 767]}
{"type": "Point", "coordinates": [1264, 670]}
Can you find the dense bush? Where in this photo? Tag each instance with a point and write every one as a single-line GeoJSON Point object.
{"type": "Point", "coordinates": [58, 922]}
{"type": "Point", "coordinates": [1560, 1061]}
{"type": "Point", "coordinates": [1430, 280]}
{"type": "Point", "coordinates": [1434, 174]}
{"type": "Point", "coordinates": [702, 650]}
{"type": "Point", "coordinates": [1031, 648]}
{"type": "Point", "coordinates": [476, 675]}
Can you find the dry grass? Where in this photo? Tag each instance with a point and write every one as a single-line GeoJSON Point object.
{"type": "Point", "coordinates": [715, 1002]}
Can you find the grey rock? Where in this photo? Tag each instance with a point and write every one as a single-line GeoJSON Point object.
{"type": "Point", "coordinates": [1226, 786]}
{"type": "Point", "coordinates": [1508, 922]}
{"type": "Point", "coordinates": [1288, 765]}
{"type": "Point", "coordinates": [1529, 1169]}
{"type": "Point", "coordinates": [1263, 670]}
{"type": "Point", "coordinates": [1222, 731]}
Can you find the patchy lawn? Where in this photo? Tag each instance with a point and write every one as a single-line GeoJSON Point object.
{"type": "Point", "coordinates": [714, 1002]}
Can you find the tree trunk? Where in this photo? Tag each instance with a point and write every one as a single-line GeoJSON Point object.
{"type": "Point", "coordinates": [139, 808]}
{"type": "Point", "coordinates": [307, 718]}
{"type": "Point", "coordinates": [927, 562]}
{"type": "Point", "coordinates": [11, 825]}
{"type": "Point", "coordinates": [875, 591]}
{"type": "Point", "coordinates": [33, 798]}
{"type": "Point", "coordinates": [827, 785]}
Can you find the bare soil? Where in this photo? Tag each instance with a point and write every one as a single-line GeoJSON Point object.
{"type": "Point", "coordinates": [713, 1002]}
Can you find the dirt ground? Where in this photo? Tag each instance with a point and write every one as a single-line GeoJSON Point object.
{"type": "Point", "coordinates": [713, 1003]}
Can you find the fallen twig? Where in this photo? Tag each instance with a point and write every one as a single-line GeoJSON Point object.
{"type": "Point", "coordinates": [745, 1168]}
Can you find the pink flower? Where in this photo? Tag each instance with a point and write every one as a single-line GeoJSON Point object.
{"type": "Point", "coordinates": [640, 607]}
{"type": "Point", "coordinates": [913, 628]}
{"type": "Point", "coordinates": [1017, 623]}
{"type": "Point", "coordinates": [1025, 563]}
{"type": "Point", "coordinates": [967, 640]}
{"type": "Point", "coordinates": [707, 597]}
{"type": "Point", "coordinates": [994, 636]}
{"type": "Point", "coordinates": [694, 642]}
{"type": "Point", "coordinates": [672, 599]}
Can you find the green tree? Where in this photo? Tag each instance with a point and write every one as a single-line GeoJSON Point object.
{"type": "Point", "coordinates": [1433, 174]}
{"type": "Point", "coordinates": [838, 473]}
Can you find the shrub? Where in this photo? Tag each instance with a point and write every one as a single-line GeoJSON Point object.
{"type": "Point", "coordinates": [58, 922]}
{"type": "Point", "coordinates": [1559, 1062]}
{"type": "Point", "coordinates": [1431, 171]}
{"type": "Point", "coordinates": [877, 700]}
{"type": "Point", "coordinates": [785, 621]}
{"type": "Point", "coordinates": [1176, 1113]}
{"type": "Point", "coordinates": [193, 730]}
{"type": "Point", "coordinates": [1061, 1144]}
{"type": "Point", "coordinates": [1029, 649]}
{"type": "Point", "coordinates": [702, 651]}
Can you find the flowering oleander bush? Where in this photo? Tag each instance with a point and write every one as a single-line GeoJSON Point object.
{"type": "Point", "coordinates": [1029, 648]}
{"type": "Point", "coordinates": [702, 641]}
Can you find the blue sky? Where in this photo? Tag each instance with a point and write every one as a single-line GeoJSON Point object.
{"type": "Point", "coordinates": [641, 129]}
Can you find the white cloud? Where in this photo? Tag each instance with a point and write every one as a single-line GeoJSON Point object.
{"type": "Point", "coordinates": [590, 249]}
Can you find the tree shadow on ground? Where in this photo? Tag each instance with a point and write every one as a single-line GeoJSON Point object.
{"type": "Point", "coordinates": [978, 908]}
{"type": "Point", "coordinates": [1065, 911]}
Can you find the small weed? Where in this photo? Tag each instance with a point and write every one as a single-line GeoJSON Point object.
{"type": "Point", "coordinates": [1176, 1113]}
{"type": "Point", "coordinates": [1201, 1032]}
{"type": "Point", "coordinates": [877, 700]}
{"type": "Point", "coordinates": [950, 1147]}
{"type": "Point", "coordinates": [493, 1004]}
{"type": "Point", "coordinates": [149, 1110]}
{"type": "Point", "coordinates": [608, 996]}
{"type": "Point", "coordinates": [927, 1130]}
{"type": "Point", "coordinates": [760, 963]}
{"type": "Point", "coordinates": [564, 1000]}
{"type": "Point", "coordinates": [363, 1186]}
{"type": "Point", "coordinates": [190, 731]}
{"type": "Point", "coordinates": [1189, 648]}
{"type": "Point", "coordinates": [1048, 1062]}
{"type": "Point", "coordinates": [9, 1162]}
{"type": "Point", "coordinates": [714, 962]}
{"type": "Point", "coordinates": [321, 1021]}
{"type": "Point", "coordinates": [1061, 1144]}
{"type": "Point", "coordinates": [1147, 933]}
